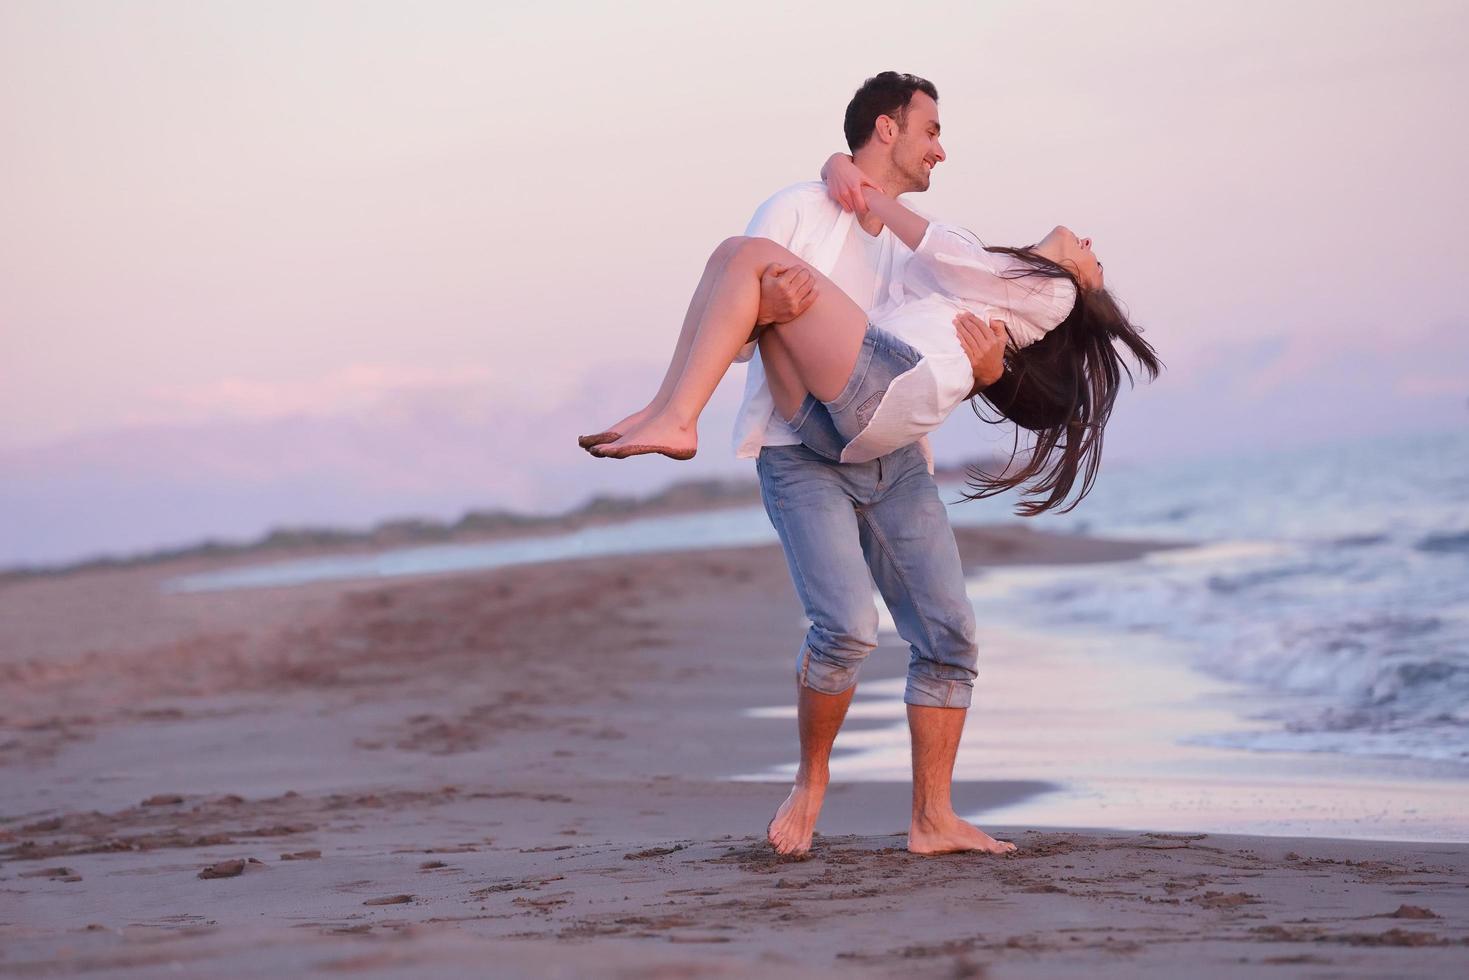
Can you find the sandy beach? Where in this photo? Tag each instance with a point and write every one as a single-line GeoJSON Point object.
{"type": "Point", "coordinates": [528, 772]}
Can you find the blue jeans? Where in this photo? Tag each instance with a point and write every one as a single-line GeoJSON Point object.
{"type": "Point", "coordinates": [827, 427]}
{"type": "Point", "coordinates": [846, 526]}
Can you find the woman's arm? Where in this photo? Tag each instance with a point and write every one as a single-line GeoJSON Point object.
{"type": "Point", "coordinates": [844, 182]}
{"type": "Point", "coordinates": [849, 187]}
{"type": "Point", "coordinates": [909, 227]}
{"type": "Point", "coordinates": [855, 191]}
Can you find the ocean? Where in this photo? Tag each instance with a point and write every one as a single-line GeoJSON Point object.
{"type": "Point", "coordinates": [1332, 580]}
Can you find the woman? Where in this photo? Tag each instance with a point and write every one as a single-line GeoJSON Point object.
{"type": "Point", "coordinates": [855, 389]}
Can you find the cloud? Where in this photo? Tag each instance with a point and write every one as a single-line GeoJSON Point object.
{"type": "Point", "coordinates": [348, 449]}
{"type": "Point", "coordinates": [349, 388]}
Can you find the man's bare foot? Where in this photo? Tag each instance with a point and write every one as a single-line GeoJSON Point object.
{"type": "Point", "coordinates": [659, 434]}
{"type": "Point", "coordinates": [947, 834]}
{"type": "Point", "coordinates": [790, 830]}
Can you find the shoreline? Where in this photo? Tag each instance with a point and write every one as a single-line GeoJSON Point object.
{"type": "Point", "coordinates": [531, 764]}
{"type": "Point", "coordinates": [1118, 729]}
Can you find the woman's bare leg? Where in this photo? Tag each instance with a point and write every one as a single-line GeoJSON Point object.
{"type": "Point", "coordinates": [823, 343]}
{"type": "Point", "coordinates": [697, 303]}
{"type": "Point", "coordinates": [781, 374]}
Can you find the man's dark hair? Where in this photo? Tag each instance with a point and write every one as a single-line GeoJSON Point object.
{"type": "Point", "coordinates": [886, 94]}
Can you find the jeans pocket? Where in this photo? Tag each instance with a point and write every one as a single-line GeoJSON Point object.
{"type": "Point", "coordinates": [868, 408]}
{"type": "Point", "coordinates": [777, 467]}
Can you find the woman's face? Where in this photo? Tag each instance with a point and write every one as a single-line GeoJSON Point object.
{"type": "Point", "coordinates": [1065, 248]}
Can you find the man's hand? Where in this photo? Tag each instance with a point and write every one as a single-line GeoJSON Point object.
{"type": "Point", "coordinates": [785, 293]}
{"type": "Point", "coordinates": [984, 343]}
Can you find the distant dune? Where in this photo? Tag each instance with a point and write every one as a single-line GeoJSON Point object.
{"type": "Point", "coordinates": [683, 496]}
{"type": "Point", "coordinates": [680, 497]}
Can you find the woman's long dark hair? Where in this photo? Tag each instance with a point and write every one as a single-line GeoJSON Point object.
{"type": "Point", "coordinates": [1061, 389]}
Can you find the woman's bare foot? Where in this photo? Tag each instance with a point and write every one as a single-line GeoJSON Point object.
{"type": "Point", "coordinates": [947, 834]}
{"type": "Point", "coordinates": [790, 830]}
{"type": "Point", "coordinates": [615, 431]}
{"type": "Point", "coordinates": [597, 438]}
{"type": "Point", "coordinates": [659, 434]}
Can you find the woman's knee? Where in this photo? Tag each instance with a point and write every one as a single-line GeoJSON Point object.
{"type": "Point", "coordinates": [727, 249]}
{"type": "Point", "coordinates": [758, 251]}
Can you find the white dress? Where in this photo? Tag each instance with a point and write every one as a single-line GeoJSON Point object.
{"type": "Point", "coordinates": [950, 271]}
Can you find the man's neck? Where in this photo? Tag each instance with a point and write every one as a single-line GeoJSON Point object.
{"type": "Point", "coordinates": [880, 169]}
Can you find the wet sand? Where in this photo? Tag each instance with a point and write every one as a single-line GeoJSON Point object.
{"type": "Point", "coordinates": [524, 772]}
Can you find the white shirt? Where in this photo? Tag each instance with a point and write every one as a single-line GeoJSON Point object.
{"type": "Point", "coordinates": [861, 254]}
{"type": "Point", "coordinates": [948, 272]}
{"type": "Point", "coordinates": [815, 229]}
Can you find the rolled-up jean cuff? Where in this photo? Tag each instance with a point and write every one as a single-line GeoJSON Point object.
{"type": "Point", "coordinates": [823, 677]}
{"type": "Point", "coordinates": [932, 692]}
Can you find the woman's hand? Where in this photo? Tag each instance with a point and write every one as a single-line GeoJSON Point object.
{"type": "Point", "coordinates": [844, 183]}
{"type": "Point", "coordinates": [984, 344]}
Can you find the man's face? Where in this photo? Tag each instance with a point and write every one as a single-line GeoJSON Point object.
{"type": "Point", "coordinates": [917, 151]}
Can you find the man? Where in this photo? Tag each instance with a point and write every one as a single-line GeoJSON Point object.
{"type": "Point", "coordinates": [839, 522]}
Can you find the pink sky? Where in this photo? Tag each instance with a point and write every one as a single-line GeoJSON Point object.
{"type": "Point", "coordinates": [282, 223]}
